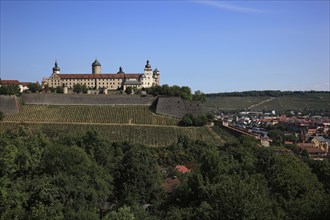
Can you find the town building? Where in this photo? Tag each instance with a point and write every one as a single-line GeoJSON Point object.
{"type": "Point", "coordinates": [21, 85]}
{"type": "Point", "coordinates": [108, 81]}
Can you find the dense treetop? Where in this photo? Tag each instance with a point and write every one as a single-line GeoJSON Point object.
{"type": "Point", "coordinates": [184, 92]}
{"type": "Point", "coordinates": [46, 176]}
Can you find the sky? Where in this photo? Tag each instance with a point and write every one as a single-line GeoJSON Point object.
{"type": "Point", "coordinates": [212, 46]}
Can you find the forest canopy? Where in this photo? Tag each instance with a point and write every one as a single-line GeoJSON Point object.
{"type": "Point", "coordinates": [58, 176]}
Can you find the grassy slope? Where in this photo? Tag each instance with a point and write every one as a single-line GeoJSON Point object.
{"type": "Point", "coordinates": [310, 101]}
{"type": "Point", "coordinates": [317, 101]}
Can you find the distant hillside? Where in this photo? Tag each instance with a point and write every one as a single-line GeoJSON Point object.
{"type": "Point", "coordinates": [298, 101]}
{"type": "Point", "coordinates": [269, 93]}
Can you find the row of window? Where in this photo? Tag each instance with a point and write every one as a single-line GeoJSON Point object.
{"type": "Point", "coordinates": [76, 80]}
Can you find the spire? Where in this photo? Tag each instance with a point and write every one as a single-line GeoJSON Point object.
{"type": "Point", "coordinates": [56, 69]}
{"type": "Point", "coordinates": [147, 66]}
{"type": "Point", "coordinates": [156, 71]}
{"type": "Point", "coordinates": [96, 63]}
{"type": "Point", "coordinates": [120, 71]}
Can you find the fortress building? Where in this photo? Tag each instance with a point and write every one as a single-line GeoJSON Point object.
{"type": "Point", "coordinates": [109, 81]}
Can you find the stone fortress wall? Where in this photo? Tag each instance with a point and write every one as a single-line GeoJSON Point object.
{"type": "Point", "coordinates": [84, 99]}
{"type": "Point", "coordinates": [171, 106]}
{"type": "Point", "coordinates": [9, 104]}
{"type": "Point", "coordinates": [177, 107]}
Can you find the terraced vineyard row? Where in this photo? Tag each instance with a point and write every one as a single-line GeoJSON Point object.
{"type": "Point", "coordinates": [90, 114]}
{"type": "Point", "coordinates": [153, 136]}
{"type": "Point", "coordinates": [287, 102]}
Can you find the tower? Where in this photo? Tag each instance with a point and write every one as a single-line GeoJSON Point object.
{"type": "Point", "coordinates": [147, 80]}
{"type": "Point", "coordinates": [56, 69]}
{"type": "Point", "coordinates": [156, 76]}
{"type": "Point", "coordinates": [96, 67]}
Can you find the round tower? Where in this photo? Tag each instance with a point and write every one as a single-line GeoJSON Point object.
{"type": "Point", "coordinates": [56, 69]}
{"type": "Point", "coordinates": [96, 67]}
{"type": "Point", "coordinates": [147, 79]}
{"type": "Point", "coordinates": [147, 66]}
{"type": "Point", "coordinates": [156, 76]}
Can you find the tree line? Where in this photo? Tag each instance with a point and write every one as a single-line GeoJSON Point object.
{"type": "Point", "coordinates": [46, 176]}
{"type": "Point", "coordinates": [184, 92]}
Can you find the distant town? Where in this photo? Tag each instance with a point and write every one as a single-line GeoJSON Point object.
{"type": "Point", "coordinates": [308, 133]}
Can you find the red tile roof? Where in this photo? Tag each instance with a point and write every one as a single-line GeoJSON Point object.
{"type": "Point", "coordinates": [182, 169]}
{"type": "Point", "coordinates": [315, 150]}
{"type": "Point", "coordinates": [99, 76]}
{"type": "Point", "coordinates": [305, 145]}
{"type": "Point", "coordinates": [9, 82]}
{"type": "Point", "coordinates": [25, 83]}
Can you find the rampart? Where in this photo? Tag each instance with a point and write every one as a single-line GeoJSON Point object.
{"type": "Point", "coordinates": [84, 99]}
{"type": "Point", "coordinates": [8, 104]}
{"type": "Point", "coordinates": [177, 107]}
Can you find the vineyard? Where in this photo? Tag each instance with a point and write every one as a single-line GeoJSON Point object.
{"type": "Point", "coordinates": [133, 114]}
{"type": "Point", "coordinates": [317, 101]}
{"type": "Point", "coordinates": [153, 136]}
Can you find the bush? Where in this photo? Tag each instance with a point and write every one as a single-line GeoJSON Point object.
{"type": "Point", "coordinates": [2, 116]}
{"type": "Point", "coordinates": [129, 90]}
{"type": "Point", "coordinates": [59, 89]}
{"type": "Point", "coordinates": [35, 87]}
{"type": "Point", "coordinates": [193, 120]}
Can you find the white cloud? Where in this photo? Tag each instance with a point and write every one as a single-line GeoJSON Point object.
{"type": "Point", "coordinates": [230, 7]}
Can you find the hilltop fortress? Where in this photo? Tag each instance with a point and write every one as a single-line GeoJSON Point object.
{"type": "Point", "coordinates": [106, 81]}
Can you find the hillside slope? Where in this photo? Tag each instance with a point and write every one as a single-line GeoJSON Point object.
{"type": "Point", "coordinates": [132, 123]}
{"type": "Point", "coordinates": [315, 101]}
{"type": "Point", "coordinates": [108, 114]}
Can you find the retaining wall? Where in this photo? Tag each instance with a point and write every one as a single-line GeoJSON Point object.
{"type": "Point", "coordinates": [8, 104]}
{"type": "Point", "coordinates": [177, 107]}
{"type": "Point", "coordinates": [84, 99]}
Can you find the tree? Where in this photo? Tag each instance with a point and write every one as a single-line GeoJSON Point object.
{"type": "Point", "coordinates": [199, 96]}
{"type": "Point", "coordinates": [123, 213]}
{"type": "Point", "coordinates": [59, 89]}
{"type": "Point", "coordinates": [276, 135]}
{"type": "Point", "coordinates": [193, 120]}
{"type": "Point", "coordinates": [77, 88]}
{"type": "Point", "coordinates": [129, 90]}
{"type": "Point", "coordinates": [2, 115]}
{"type": "Point", "coordinates": [138, 178]}
{"type": "Point", "coordinates": [79, 183]}
{"type": "Point", "coordinates": [200, 120]}
{"type": "Point", "coordinates": [35, 87]}
{"type": "Point", "coordinates": [293, 186]}
{"type": "Point", "coordinates": [9, 90]}
{"type": "Point", "coordinates": [187, 120]}
{"type": "Point", "coordinates": [84, 89]}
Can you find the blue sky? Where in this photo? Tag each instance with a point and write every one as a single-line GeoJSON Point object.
{"type": "Point", "coordinates": [212, 46]}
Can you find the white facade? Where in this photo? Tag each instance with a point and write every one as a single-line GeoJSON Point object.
{"type": "Point", "coordinates": [109, 81]}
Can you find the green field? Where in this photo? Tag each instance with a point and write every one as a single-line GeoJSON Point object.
{"type": "Point", "coordinates": [310, 101]}
{"type": "Point", "coordinates": [231, 103]}
{"type": "Point", "coordinates": [313, 101]}
{"type": "Point", "coordinates": [153, 136]}
{"type": "Point", "coordinates": [90, 114]}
